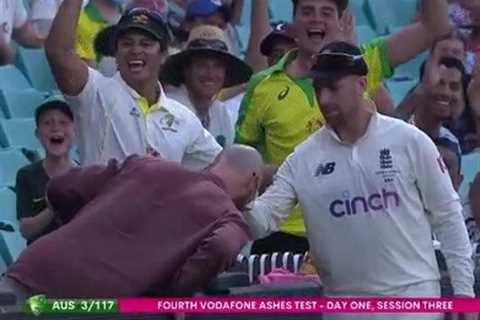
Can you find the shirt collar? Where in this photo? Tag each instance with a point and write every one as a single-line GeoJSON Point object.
{"type": "Point", "coordinates": [93, 13]}
{"type": "Point", "coordinates": [283, 63]}
{"type": "Point", "coordinates": [372, 126]}
{"type": "Point", "coordinates": [159, 105]}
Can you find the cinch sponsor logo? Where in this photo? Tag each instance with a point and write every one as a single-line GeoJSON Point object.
{"type": "Point", "coordinates": [374, 202]}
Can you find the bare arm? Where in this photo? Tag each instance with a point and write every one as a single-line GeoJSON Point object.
{"type": "Point", "coordinates": [27, 36]}
{"type": "Point", "coordinates": [236, 9]}
{"type": "Point", "coordinates": [32, 227]}
{"type": "Point", "coordinates": [70, 72]}
{"type": "Point", "coordinates": [407, 107]}
{"type": "Point", "coordinates": [259, 30]}
{"type": "Point", "coordinates": [6, 51]}
{"type": "Point", "coordinates": [420, 36]}
{"type": "Point", "coordinates": [384, 101]}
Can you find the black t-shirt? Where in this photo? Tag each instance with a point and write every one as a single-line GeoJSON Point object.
{"type": "Point", "coordinates": [30, 188]}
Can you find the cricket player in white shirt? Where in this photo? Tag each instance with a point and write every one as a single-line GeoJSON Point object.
{"type": "Point", "coordinates": [128, 113]}
{"type": "Point", "coordinates": [364, 182]}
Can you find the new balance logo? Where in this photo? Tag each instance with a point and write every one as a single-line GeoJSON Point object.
{"type": "Point", "coordinates": [325, 169]}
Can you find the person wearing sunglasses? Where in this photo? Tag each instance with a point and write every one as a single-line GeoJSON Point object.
{"type": "Point", "coordinates": [128, 113]}
{"type": "Point", "coordinates": [364, 181]}
{"type": "Point", "coordinates": [280, 110]}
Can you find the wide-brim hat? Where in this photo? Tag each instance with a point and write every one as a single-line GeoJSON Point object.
{"type": "Point", "coordinates": [206, 40]}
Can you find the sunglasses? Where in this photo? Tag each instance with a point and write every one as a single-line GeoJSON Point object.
{"type": "Point", "coordinates": [334, 60]}
{"type": "Point", "coordinates": [208, 44]}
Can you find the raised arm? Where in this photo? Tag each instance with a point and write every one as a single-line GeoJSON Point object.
{"type": "Point", "coordinates": [420, 36]}
{"type": "Point", "coordinates": [259, 23]}
{"type": "Point", "coordinates": [69, 70]}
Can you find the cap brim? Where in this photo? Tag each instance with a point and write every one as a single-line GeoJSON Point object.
{"type": "Point", "coordinates": [330, 75]}
{"type": "Point", "coordinates": [141, 27]}
{"type": "Point", "coordinates": [267, 43]}
{"type": "Point", "coordinates": [237, 71]}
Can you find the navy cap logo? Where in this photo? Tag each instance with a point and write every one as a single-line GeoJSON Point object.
{"type": "Point", "coordinates": [140, 19]}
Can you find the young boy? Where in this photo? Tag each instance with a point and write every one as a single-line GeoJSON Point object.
{"type": "Point", "coordinates": [55, 130]}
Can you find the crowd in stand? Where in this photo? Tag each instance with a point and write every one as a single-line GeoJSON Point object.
{"type": "Point", "coordinates": [191, 149]}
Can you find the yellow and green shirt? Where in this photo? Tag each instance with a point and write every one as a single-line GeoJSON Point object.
{"type": "Point", "coordinates": [90, 23]}
{"type": "Point", "coordinates": [279, 112]}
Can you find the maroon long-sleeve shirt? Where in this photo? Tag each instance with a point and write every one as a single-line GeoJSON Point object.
{"type": "Point", "coordinates": [145, 224]}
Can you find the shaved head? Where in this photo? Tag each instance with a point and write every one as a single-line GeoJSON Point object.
{"type": "Point", "coordinates": [240, 167]}
{"type": "Point", "coordinates": [242, 158]}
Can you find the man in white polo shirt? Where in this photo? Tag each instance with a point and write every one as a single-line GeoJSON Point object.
{"type": "Point", "coordinates": [128, 113]}
{"type": "Point", "coordinates": [364, 182]}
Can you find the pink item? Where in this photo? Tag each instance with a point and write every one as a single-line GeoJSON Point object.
{"type": "Point", "coordinates": [283, 276]}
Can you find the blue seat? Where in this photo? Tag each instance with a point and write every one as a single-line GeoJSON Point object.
{"type": "Point", "coordinates": [243, 36]}
{"type": "Point", "coordinates": [358, 10]}
{"type": "Point", "coordinates": [34, 64]}
{"type": "Point", "coordinates": [12, 244]}
{"type": "Point", "coordinates": [411, 69]}
{"type": "Point", "coordinates": [246, 13]}
{"type": "Point", "coordinates": [385, 14]}
{"type": "Point", "coordinates": [11, 160]}
{"type": "Point", "coordinates": [12, 78]}
{"type": "Point", "coordinates": [20, 103]}
{"type": "Point", "coordinates": [470, 168]}
{"type": "Point", "coordinates": [281, 10]}
{"type": "Point", "coordinates": [19, 133]}
{"type": "Point", "coordinates": [365, 34]}
{"type": "Point", "coordinates": [399, 89]}
{"type": "Point", "coordinates": [8, 205]}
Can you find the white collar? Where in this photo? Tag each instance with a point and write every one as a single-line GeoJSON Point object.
{"type": "Point", "coordinates": [162, 98]}
{"type": "Point", "coordinates": [372, 125]}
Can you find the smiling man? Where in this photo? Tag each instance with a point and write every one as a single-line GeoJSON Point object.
{"type": "Point", "coordinates": [199, 73]}
{"type": "Point", "coordinates": [444, 83]}
{"type": "Point", "coordinates": [280, 109]}
{"type": "Point", "coordinates": [128, 113]}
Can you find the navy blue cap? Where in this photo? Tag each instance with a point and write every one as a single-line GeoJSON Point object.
{"type": "Point", "coordinates": [205, 8]}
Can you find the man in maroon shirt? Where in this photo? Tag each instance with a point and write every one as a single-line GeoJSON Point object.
{"type": "Point", "coordinates": [146, 225]}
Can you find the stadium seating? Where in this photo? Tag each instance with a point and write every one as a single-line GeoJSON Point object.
{"type": "Point", "coordinates": [20, 103]}
{"type": "Point", "coordinates": [19, 133]}
{"type": "Point", "coordinates": [470, 168]}
{"type": "Point", "coordinates": [11, 244]}
{"type": "Point", "coordinates": [12, 78]}
{"type": "Point", "coordinates": [358, 10]}
{"type": "Point", "coordinates": [388, 14]}
{"type": "Point", "coordinates": [10, 161]}
{"type": "Point", "coordinates": [281, 10]}
{"type": "Point", "coordinates": [8, 205]}
{"type": "Point", "coordinates": [33, 63]}
{"type": "Point", "coordinates": [365, 33]}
